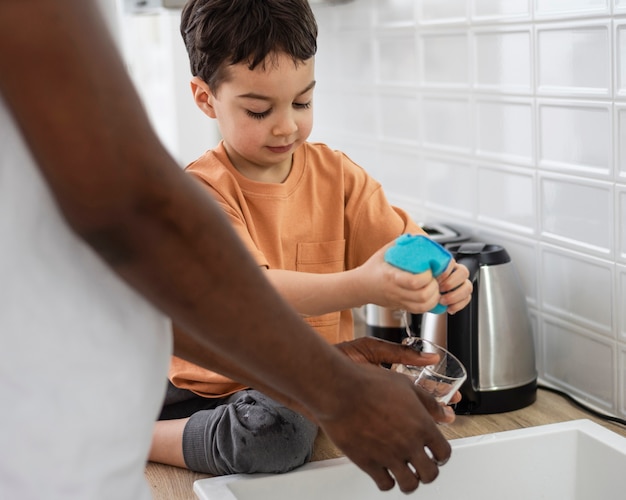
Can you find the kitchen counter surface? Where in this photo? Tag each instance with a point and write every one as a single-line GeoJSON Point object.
{"type": "Point", "coordinates": [172, 483]}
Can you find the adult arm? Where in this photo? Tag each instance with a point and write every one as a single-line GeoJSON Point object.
{"type": "Point", "coordinates": [119, 190]}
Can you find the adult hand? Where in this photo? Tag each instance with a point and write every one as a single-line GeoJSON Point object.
{"type": "Point", "coordinates": [376, 351]}
{"type": "Point", "coordinates": [399, 440]}
{"type": "Point", "coordinates": [371, 350]}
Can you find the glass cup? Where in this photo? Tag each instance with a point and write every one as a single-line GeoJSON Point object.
{"type": "Point", "coordinates": [442, 379]}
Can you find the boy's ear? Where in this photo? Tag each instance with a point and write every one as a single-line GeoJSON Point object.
{"type": "Point", "coordinates": [203, 96]}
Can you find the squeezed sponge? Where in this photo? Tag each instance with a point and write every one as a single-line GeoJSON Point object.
{"type": "Point", "coordinates": [418, 253]}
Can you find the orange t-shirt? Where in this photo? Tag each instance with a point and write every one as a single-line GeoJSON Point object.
{"type": "Point", "coordinates": [328, 216]}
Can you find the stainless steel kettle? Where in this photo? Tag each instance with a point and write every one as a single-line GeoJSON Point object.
{"type": "Point", "coordinates": [492, 336]}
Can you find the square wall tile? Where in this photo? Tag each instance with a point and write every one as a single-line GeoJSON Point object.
{"type": "Point", "coordinates": [436, 11]}
{"type": "Point", "coordinates": [620, 223]}
{"type": "Point", "coordinates": [577, 288]}
{"type": "Point", "coordinates": [574, 59]}
{"type": "Point", "coordinates": [580, 363]}
{"type": "Point", "coordinates": [445, 123]}
{"type": "Point", "coordinates": [399, 116]}
{"type": "Point", "coordinates": [575, 136]}
{"type": "Point", "coordinates": [445, 59]}
{"type": "Point", "coordinates": [364, 153]}
{"type": "Point", "coordinates": [358, 114]}
{"type": "Point", "coordinates": [326, 59]}
{"type": "Point", "coordinates": [621, 302]}
{"type": "Point", "coordinates": [524, 257]}
{"type": "Point", "coordinates": [578, 212]}
{"type": "Point", "coordinates": [352, 15]}
{"type": "Point", "coordinates": [571, 7]}
{"type": "Point", "coordinates": [620, 58]}
{"type": "Point", "coordinates": [395, 11]}
{"type": "Point", "coordinates": [400, 172]}
{"type": "Point", "coordinates": [449, 186]}
{"type": "Point", "coordinates": [537, 338]}
{"type": "Point", "coordinates": [397, 58]}
{"type": "Point", "coordinates": [500, 9]}
{"type": "Point", "coordinates": [504, 60]}
{"type": "Point", "coordinates": [506, 197]}
{"type": "Point", "coordinates": [327, 113]}
{"type": "Point", "coordinates": [325, 18]}
{"type": "Point", "coordinates": [356, 61]}
{"type": "Point", "coordinates": [620, 139]}
{"type": "Point", "coordinates": [505, 130]}
{"type": "Point", "coordinates": [621, 377]}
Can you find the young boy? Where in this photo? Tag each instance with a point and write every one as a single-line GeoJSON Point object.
{"type": "Point", "coordinates": [317, 222]}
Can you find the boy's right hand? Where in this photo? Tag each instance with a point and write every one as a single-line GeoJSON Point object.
{"type": "Point", "coordinates": [391, 287]}
{"type": "Point", "coordinates": [388, 286]}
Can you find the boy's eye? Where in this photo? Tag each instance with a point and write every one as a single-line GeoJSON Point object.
{"type": "Point", "coordinates": [264, 114]}
{"type": "Point", "coordinates": [257, 116]}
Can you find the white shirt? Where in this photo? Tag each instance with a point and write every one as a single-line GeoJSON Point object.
{"type": "Point", "coordinates": [83, 357]}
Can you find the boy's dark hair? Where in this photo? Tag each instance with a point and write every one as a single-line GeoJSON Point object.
{"type": "Point", "coordinates": [219, 33]}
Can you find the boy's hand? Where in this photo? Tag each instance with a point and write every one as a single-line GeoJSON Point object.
{"type": "Point", "coordinates": [388, 286]}
{"type": "Point", "coordinates": [455, 287]}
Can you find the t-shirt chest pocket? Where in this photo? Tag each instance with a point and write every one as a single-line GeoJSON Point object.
{"type": "Point", "coordinates": [321, 257]}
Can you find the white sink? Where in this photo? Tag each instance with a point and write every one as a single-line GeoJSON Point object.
{"type": "Point", "coordinates": [577, 460]}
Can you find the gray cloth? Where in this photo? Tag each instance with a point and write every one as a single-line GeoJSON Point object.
{"type": "Point", "coordinates": [246, 432]}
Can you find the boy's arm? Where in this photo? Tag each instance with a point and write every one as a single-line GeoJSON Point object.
{"type": "Point", "coordinates": [120, 191]}
{"type": "Point", "coordinates": [313, 294]}
{"type": "Point", "coordinates": [375, 282]}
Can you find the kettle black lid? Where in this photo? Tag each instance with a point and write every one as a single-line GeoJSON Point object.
{"type": "Point", "coordinates": [486, 254]}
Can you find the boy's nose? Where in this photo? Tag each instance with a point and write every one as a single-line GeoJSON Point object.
{"type": "Point", "coordinates": [285, 125]}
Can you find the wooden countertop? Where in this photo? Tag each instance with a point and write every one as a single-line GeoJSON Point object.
{"type": "Point", "coordinates": [172, 483]}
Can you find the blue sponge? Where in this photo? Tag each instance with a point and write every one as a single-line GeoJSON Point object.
{"type": "Point", "coordinates": [418, 253]}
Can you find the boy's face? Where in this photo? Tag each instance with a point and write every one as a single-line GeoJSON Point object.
{"type": "Point", "coordinates": [263, 114]}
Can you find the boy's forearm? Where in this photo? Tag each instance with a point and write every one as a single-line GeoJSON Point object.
{"type": "Point", "coordinates": [314, 294]}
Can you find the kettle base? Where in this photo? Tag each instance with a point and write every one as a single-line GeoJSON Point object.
{"type": "Point", "coordinates": [499, 401]}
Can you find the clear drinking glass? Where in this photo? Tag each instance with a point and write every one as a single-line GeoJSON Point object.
{"type": "Point", "coordinates": [442, 379]}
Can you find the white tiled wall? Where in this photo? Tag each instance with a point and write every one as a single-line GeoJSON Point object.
{"type": "Point", "coordinates": [507, 117]}
{"type": "Point", "coordinates": [158, 63]}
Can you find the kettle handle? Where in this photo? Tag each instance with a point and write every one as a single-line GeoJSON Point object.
{"type": "Point", "coordinates": [462, 333]}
